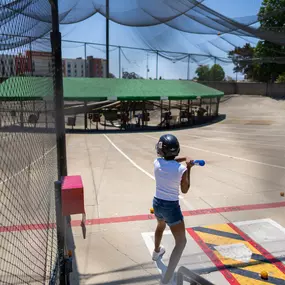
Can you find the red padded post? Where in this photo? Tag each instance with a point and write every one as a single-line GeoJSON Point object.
{"type": "Point", "coordinates": [72, 193]}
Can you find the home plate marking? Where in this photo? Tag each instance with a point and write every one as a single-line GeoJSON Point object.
{"type": "Point", "coordinates": [238, 251]}
{"type": "Point", "coordinates": [238, 256]}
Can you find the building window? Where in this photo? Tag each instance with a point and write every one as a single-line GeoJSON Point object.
{"type": "Point", "coordinates": [68, 65]}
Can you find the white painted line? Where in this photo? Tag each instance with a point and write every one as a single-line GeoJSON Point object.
{"type": "Point", "coordinates": [264, 128]}
{"type": "Point", "coordinates": [186, 203]}
{"type": "Point", "coordinates": [228, 156]}
{"type": "Point", "coordinates": [258, 116]}
{"type": "Point", "coordinates": [273, 223]}
{"type": "Point", "coordinates": [148, 239]}
{"type": "Point", "coordinates": [246, 134]}
{"type": "Point", "coordinates": [25, 168]}
{"type": "Point", "coordinates": [129, 159]}
{"type": "Point", "coordinates": [234, 141]}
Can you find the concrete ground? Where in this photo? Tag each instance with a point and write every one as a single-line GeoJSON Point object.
{"type": "Point", "coordinates": [234, 212]}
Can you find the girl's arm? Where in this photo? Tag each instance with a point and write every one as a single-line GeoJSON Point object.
{"type": "Point", "coordinates": [180, 159]}
{"type": "Point", "coordinates": [185, 181]}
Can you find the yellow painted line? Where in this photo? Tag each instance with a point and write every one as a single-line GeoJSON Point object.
{"type": "Point", "coordinates": [248, 281]}
{"type": "Point", "coordinates": [223, 227]}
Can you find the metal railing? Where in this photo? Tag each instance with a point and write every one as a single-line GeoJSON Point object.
{"type": "Point", "coordinates": [184, 274]}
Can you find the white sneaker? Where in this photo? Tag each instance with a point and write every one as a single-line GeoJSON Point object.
{"type": "Point", "coordinates": [157, 255]}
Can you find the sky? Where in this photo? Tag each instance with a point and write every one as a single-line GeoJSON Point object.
{"type": "Point", "coordinates": [166, 38]}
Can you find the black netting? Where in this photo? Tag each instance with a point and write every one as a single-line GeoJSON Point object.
{"type": "Point", "coordinates": [190, 16]}
{"type": "Point", "coordinates": [28, 156]}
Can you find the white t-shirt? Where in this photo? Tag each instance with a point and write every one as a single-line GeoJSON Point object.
{"type": "Point", "coordinates": [168, 175]}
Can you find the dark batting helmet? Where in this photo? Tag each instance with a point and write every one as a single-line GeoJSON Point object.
{"type": "Point", "coordinates": [168, 146]}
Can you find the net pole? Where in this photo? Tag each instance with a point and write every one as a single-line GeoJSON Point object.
{"type": "Point", "coordinates": [58, 92]}
{"type": "Point", "coordinates": [214, 75]}
{"type": "Point", "coordinates": [156, 65]}
{"type": "Point", "coordinates": [85, 61]}
{"type": "Point", "coordinates": [31, 57]}
{"type": "Point", "coordinates": [147, 65]}
{"type": "Point", "coordinates": [60, 135]}
{"type": "Point", "coordinates": [120, 75]}
{"type": "Point", "coordinates": [188, 67]}
{"type": "Point", "coordinates": [60, 233]}
{"type": "Point", "coordinates": [107, 38]}
{"type": "Point", "coordinates": [161, 106]}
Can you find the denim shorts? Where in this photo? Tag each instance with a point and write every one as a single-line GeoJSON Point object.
{"type": "Point", "coordinates": [168, 211]}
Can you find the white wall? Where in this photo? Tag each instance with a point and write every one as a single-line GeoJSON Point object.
{"type": "Point", "coordinates": [75, 67]}
{"type": "Point", "coordinates": [42, 66]}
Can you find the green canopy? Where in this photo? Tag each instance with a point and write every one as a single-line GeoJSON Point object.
{"type": "Point", "coordinates": [98, 89]}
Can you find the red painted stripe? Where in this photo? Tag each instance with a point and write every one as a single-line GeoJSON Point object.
{"type": "Point", "coordinates": [234, 209]}
{"type": "Point", "coordinates": [262, 250]}
{"type": "Point", "coordinates": [209, 211]}
{"type": "Point", "coordinates": [135, 218]}
{"type": "Point", "coordinates": [220, 266]}
{"type": "Point", "coordinates": [114, 220]}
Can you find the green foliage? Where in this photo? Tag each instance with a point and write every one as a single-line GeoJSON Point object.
{"type": "Point", "coordinates": [270, 7]}
{"type": "Point", "coordinates": [260, 69]}
{"type": "Point", "coordinates": [281, 78]}
{"type": "Point", "coordinates": [215, 73]}
{"type": "Point", "coordinates": [241, 57]}
{"type": "Point", "coordinates": [203, 72]}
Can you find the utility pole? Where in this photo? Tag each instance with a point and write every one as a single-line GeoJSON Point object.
{"type": "Point", "coordinates": [107, 38]}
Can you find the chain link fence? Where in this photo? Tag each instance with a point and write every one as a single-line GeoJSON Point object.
{"type": "Point", "coordinates": [28, 165]}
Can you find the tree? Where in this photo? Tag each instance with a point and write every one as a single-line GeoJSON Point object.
{"type": "Point", "coordinates": [281, 78]}
{"type": "Point", "coordinates": [271, 71]}
{"type": "Point", "coordinates": [258, 63]}
{"type": "Point", "coordinates": [242, 59]}
{"type": "Point", "coordinates": [217, 73]}
{"type": "Point", "coordinates": [131, 75]}
{"type": "Point", "coordinates": [203, 72]}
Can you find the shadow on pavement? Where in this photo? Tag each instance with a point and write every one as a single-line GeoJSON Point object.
{"type": "Point", "coordinates": [77, 278]}
{"type": "Point", "coordinates": [148, 129]}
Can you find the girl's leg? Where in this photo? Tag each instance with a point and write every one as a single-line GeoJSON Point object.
{"type": "Point", "coordinates": [158, 234]}
{"type": "Point", "coordinates": [178, 232]}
